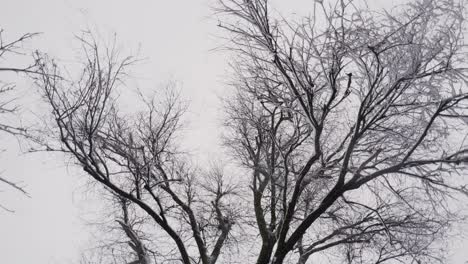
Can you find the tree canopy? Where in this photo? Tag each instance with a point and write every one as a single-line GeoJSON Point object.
{"type": "Point", "coordinates": [348, 127]}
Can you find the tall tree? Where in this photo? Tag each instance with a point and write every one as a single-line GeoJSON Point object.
{"type": "Point", "coordinates": [349, 125]}
{"type": "Point", "coordinates": [353, 124]}
{"type": "Point", "coordinates": [137, 159]}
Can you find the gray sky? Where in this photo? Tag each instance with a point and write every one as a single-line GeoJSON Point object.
{"type": "Point", "coordinates": [176, 38]}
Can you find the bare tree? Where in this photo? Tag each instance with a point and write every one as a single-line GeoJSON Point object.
{"type": "Point", "coordinates": [350, 126]}
{"type": "Point", "coordinates": [353, 125]}
{"type": "Point", "coordinates": [8, 107]}
{"type": "Point", "coordinates": [136, 158]}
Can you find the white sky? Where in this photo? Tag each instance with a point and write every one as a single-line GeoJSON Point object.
{"type": "Point", "coordinates": [177, 38]}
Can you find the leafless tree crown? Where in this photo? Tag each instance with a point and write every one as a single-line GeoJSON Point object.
{"type": "Point", "coordinates": [137, 158]}
{"type": "Point", "coordinates": [352, 123]}
{"type": "Point", "coordinates": [349, 125]}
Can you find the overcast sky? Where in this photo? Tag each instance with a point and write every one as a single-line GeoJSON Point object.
{"type": "Point", "coordinates": [177, 39]}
